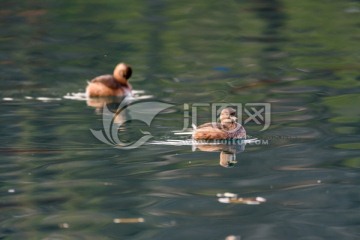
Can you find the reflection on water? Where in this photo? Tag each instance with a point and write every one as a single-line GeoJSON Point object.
{"type": "Point", "coordinates": [228, 152]}
{"type": "Point", "coordinates": [58, 181]}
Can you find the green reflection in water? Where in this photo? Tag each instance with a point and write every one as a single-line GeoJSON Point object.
{"type": "Point", "coordinates": [343, 107]}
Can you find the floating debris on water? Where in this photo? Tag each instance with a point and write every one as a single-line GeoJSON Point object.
{"type": "Point", "coordinates": [8, 99]}
{"type": "Point", "coordinates": [64, 225]}
{"type": "Point", "coordinates": [128, 220]}
{"type": "Point", "coordinates": [233, 198]}
{"type": "Point", "coordinates": [233, 237]}
{"type": "Point", "coordinates": [11, 191]}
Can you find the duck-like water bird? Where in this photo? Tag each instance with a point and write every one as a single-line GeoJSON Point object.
{"type": "Point", "coordinates": [227, 128]}
{"type": "Point", "coordinates": [111, 85]}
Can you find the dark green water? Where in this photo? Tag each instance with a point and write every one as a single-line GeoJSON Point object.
{"type": "Point", "coordinates": [57, 181]}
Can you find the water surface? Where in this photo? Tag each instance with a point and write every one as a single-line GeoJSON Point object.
{"type": "Point", "coordinates": [60, 182]}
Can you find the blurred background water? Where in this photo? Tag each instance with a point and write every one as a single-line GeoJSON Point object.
{"type": "Point", "coordinates": [57, 181]}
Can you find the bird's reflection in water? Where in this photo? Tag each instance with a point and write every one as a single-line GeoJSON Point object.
{"type": "Point", "coordinates": [227, 151]}
{"type": "Point", "coordinates": [116, 120]}
{"type": "Point", "coordinates": [114, 105]}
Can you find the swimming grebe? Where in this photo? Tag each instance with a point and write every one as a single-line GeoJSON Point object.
{"type": "Point", "coordinates": [111, 85]}
{"type": "Point", "coordinates": [228, 128]}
